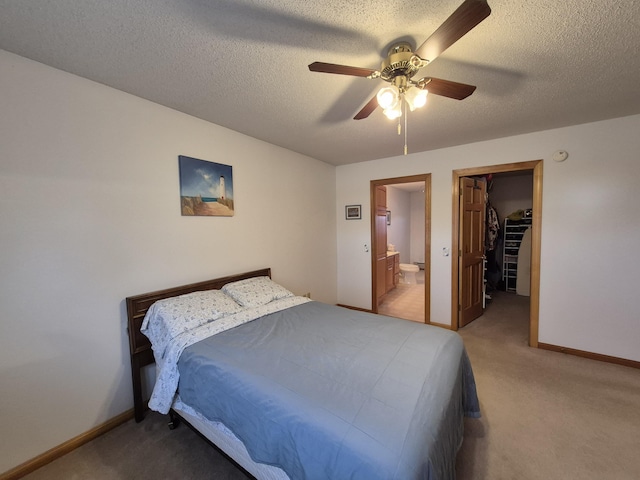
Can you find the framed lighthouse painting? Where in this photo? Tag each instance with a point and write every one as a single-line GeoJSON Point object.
{"type": "Point", "coordinates": [206, 188]}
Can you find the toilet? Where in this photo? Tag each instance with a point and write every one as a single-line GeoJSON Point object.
{"type": "Point", "coordinates": [408, 273]}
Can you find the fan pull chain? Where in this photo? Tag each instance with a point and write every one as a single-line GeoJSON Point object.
{"type": "Point", "coordinates": [406, 114]}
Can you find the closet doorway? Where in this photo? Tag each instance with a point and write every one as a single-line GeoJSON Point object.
{"type": "Point", "coordinates": [458, 288]}
{"type": "Point", "coordinates": [407, 219]}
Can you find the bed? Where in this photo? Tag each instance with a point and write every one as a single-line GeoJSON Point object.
{"type": "Point", "coordinates": [291, 388]}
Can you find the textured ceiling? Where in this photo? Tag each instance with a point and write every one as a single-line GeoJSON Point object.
{"type": "Point", "coordinates": [242, 64]}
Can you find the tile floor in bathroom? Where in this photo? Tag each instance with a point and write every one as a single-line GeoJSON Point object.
{"type": "Point", "coordinates": [405, 301]}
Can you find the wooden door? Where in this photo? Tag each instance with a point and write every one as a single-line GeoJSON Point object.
{"type": "Point", "coordinates": [471, 242]}
{"type": "Point", "coordinates": [381, 242]}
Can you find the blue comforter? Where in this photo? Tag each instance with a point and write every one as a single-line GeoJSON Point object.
{"type": "Point", "coordinates": [324, 392]}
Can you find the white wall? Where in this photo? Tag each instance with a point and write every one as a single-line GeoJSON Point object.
{"type": "Point", "coordinates": [590, 229]}
{"type": "Point", "coordinates": [90, 214]}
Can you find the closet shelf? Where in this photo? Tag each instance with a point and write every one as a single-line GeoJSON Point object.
{"type": "Point", "coordinates": [513, 232]}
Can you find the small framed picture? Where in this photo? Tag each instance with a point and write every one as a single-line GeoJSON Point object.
{"type": "Point", "coordinates": [353, 212]}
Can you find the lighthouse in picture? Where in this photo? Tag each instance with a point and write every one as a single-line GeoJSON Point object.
{"type": "Point", "coordinates": [222, 190]}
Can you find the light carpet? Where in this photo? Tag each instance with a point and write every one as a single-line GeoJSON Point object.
{"type": "Point", "coordinates": [546, 415]}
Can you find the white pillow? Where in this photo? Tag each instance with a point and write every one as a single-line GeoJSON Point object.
{"type": "Point", "coordinates": [257, 291]}
{"type": "Point", "coordinates": [168, 318]}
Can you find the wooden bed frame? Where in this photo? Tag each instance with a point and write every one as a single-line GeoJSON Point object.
{"type": "Point", "coordinates": [140, 346]}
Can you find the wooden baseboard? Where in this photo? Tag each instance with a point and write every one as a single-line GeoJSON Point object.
{"type": "Point", "coordinates": [592, 356]}
{"type": "Point", "coordinates": [68, 446]}
{"type": "Point", "coordinates": [355, 308]}
{"type": "Point", "coordinates": [441, 325]}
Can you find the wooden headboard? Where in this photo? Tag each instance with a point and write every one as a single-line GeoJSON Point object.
{"type": "Point", "coordinates": [139, 345]}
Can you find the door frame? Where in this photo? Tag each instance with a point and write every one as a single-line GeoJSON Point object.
{"type": "Point", "coordinates": [536, 238]}
{"type": "Point", "coordinates": [426, 178]}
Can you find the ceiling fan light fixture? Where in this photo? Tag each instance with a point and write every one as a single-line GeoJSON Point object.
{"type": "Point", "coordinates": [416, 98]}
{"type": "Point", "coordinates": [394, 112]}
{"type": "Point", "coordinates": [403, 62]}
{"type": "Point", "coordinates": [388, 97]}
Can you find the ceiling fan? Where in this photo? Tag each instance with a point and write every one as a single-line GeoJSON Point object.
{"type": "Point", "coordinates": [403, 63]}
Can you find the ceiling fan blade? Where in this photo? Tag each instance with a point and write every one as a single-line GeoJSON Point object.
{"type": "Point", "coordinates": [340, 69]}
{"type": "Point", "coordinates": [467, 16]}
{"type": "Point", "coordinates": [447, 88]}
{"type": "Point", "coordinates": [367, 109]}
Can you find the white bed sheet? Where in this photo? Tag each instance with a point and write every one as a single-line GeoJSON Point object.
{"type": "Point", "coordinates": [225, 440]}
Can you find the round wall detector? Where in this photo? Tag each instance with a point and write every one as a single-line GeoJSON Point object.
{"type": "Point", "coordinates": [560, 156]}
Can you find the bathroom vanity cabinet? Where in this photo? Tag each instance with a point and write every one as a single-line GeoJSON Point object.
{"type": "Point", "coordinates": [387, 263]}
{"type": "Point", "coordinates": [393, 270]}
{"type": "Point", "coordinates": [381, 243]}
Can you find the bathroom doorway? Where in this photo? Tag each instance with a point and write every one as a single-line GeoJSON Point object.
{"type": "Point", "coordinates": [400, 253]}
